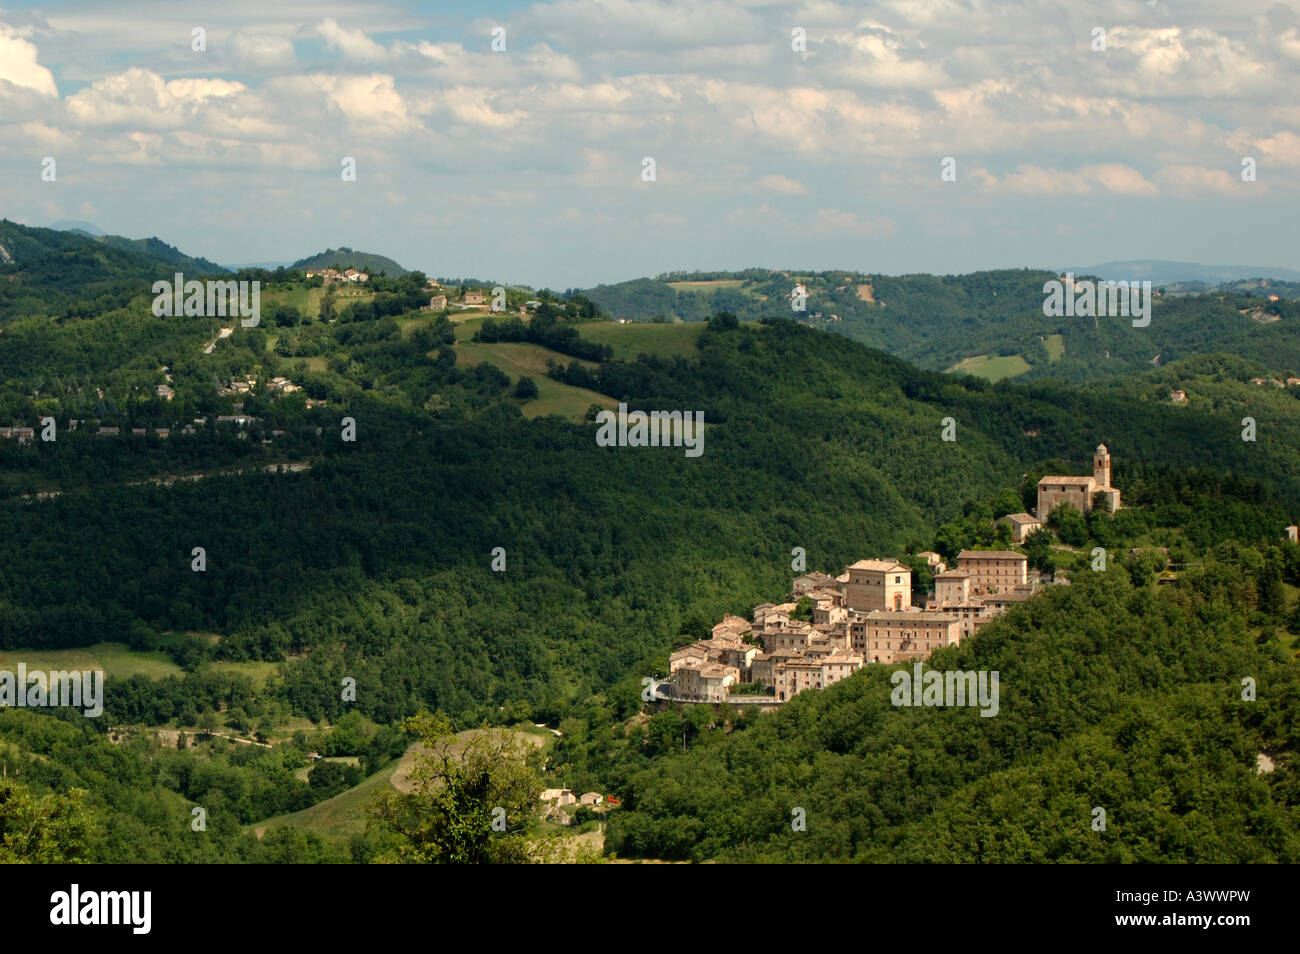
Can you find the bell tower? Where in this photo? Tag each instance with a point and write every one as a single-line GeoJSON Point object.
{"type": "Point", "coordinates": [1101, 467]}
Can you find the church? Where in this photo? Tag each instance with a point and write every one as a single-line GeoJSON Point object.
{"type": "Point", "coordinates": [1079, 492]}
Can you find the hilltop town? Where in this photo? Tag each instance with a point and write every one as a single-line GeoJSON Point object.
{"type": "Point", "coordinates": [830, 627]}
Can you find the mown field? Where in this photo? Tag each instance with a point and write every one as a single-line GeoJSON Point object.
{"type": "Point", "coordinates": [992, 367]}
{"type": "Point", "coordinates": [676, 340]}
{"type": "Point", "coordinates": [115, 660]}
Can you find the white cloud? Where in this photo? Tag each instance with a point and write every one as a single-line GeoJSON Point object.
{"type": "Point", "coordinates": [261, 50]}
{"type": "Point", "coordinates": [353, 44]}
{"type": "Point", "coordinates": [19, 66]}
{"type": "Point", "coordinates": [782, 185]}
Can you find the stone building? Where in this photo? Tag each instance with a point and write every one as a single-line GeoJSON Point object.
{"type": "Point", "coordinates": [1079, 492]}
{"type": "Point", "coordinates": [888, 636]}
{"type": "Point", "coordinates": [993, 571]}
{"type": "Point", "coordinates": [878, 585]}
{"type": "Point", "coordinates": [1022, 525]}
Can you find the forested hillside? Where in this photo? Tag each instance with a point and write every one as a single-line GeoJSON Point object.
{"type": "Point", "coordinates": [449, 538]}
{"type": "Point", "coordinates": [990, 323]}
{"type": "Point", "coordinates": [1171, 706]}
{"type": "Point", "coordinates": [1111, 696]}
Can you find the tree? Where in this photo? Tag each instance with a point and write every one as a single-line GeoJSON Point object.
{"type": "Point", "coordinates": [1069, 524]}
{"type": "Point", "coordinates": [1007, 501]}
{"type": "Point", "coordinates": [459, 788]}
{"type": "Point", "coordinates": [51, 829]}
{"type": "Point", "coordinates": [526, 389]}
{"type": "Point", "coordinates": [1038, 548]}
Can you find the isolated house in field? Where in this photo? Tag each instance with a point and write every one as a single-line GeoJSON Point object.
{"type": "Point", "coordinates": [1078, 492]}
{"type": "Point", "coordinates": [591, 799]}
{"type": "Point", "coordinates": [1293, 533]}
{"type": "Point", "coordinates": [558, 796]}
{"type": "Point", "coordinates": [164, 392]}
{"type": "Point", "coordinates": [473, 298]}
{"type": "Point", "coordinates": [437, 302]}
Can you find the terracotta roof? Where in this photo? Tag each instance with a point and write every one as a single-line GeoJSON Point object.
{"type": "Point", "coordinates": [1020, 518]}
{"type": "Point", "coordinates": [904, 616]}
{"type": "Point", "coordinates": [882, 566]}
{"type": "Point", "coordinates": [1067, 480]}
{"type": "Point", "coordinates": [990, 555]}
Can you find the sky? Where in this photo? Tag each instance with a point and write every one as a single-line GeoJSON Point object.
{"type": "Point", "coordinates": [794, 135]}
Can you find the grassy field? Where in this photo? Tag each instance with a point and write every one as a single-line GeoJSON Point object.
{"type": "Point", "coordinates": [344, 815]}
{"type": "Point", "coordinates": [1055, 345]}
{"type": "Point", "coordinates": [992, 368]}
{"type": "Point", "coordinates": [677, 340]}
{"type": "Point", "coordinates": [521, 359]}
{"type": "Point", "coordinates": [258, 672]}
{"type": "Point", "coordinates": [306, 300]}
{"type": "Point", "coordinates": [115, 659]}
{"type": "Point", "coordinates": [515, 358]}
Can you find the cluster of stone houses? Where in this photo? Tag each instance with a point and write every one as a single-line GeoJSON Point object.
{"type": "Point", "coordinates": [865, 615]}
{"type": "Point", "coordinates": [332, 275]}
{"type": "Point", "coordinates": [277, 385]}
{"type": "Point", "coordinates": [1276, 382]}
{"type": "Point", "coordinates": [554, 801]}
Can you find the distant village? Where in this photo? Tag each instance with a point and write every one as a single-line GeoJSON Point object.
{"type": "Point", "coordinates": [330, 276]}
{"type": "Point", "coordinates": [868, 614]}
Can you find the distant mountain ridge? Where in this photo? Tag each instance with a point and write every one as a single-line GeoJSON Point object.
{"type": "Point", "coordinates": [345, 257]}
{"type": "Point", "coordinates": [153, 247]}
{"type": "Point", "coordinates": [1169, 273]}
{"type": "Point", "coordinates": [70, 225]}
